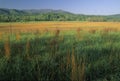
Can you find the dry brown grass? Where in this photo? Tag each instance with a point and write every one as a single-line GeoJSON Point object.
{"type": "Point", "coordinates": [57, 33]}
{"type": "Point", "coordinates": [74, 67]}
{"type": "Point", "coordinates": [1, 34]}
{"type": "Point", "coordinates": [18, 36]}
{"type": "Point", "coordinates": [92, 31]}
{"type": "Point", "coordinates": [106, 30]}
{"type": "Point", "coordinates": [45, 26]}
{"type": "Point", "coordinates": [27, 48]}
{"type": "Point", "coordinates": [78, 67]}
{"type": "Point", "coordinates": [68, 59]}
{"type": "Point", "coordinates": [81, 70]}
{"type": "Point", "coordinates": [61, 38]}
{"type": "Point", "coordinates": [7, 48]}
{"type": "Point", "coordinates": [78, 32]}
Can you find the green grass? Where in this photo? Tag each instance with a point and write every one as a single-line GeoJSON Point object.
{"type": "Point", "coordinates": [67, 57]}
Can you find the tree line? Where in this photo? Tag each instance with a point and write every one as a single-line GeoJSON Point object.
{"type": "Point", "coordinates": [22, 16]}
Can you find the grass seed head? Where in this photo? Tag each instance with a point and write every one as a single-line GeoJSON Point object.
{"type": "Point", "coordinates": [7, 49]}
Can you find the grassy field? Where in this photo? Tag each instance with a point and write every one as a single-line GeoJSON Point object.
{"type": "Point", "coordinates": [33, 26]}
{"type": "Point", "coordinates": [60, 51]}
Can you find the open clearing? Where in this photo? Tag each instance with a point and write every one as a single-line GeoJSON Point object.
{"type": "Point", "coordinates": [33, 26]}
{"type": "Point", "coordinates": [40, 51]}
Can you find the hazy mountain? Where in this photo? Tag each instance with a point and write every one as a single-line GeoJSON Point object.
{"type": "Point", "coordinates": [11, 11]}
{"type": "Point", "coordinates": [39, 11]}
{"type": "Point", "coordinates": [31, 11]}
{"type": "Point", "coordinates": [15, 15]}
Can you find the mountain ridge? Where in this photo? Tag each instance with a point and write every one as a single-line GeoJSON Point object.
{"type": "Point", "coordinates": [16, 15]}
{"type": "Point", "coordinates": [32, 11]}
{"type": "Point", "coordinates": [48, 10]}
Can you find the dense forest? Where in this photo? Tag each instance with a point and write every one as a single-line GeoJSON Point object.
{"type": "Point", "coordinates": [14, 15]}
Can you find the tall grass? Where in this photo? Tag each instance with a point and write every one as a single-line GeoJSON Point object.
{"type": "Point", "coordinates": [18, 36]}
{"type": "Point", "coordinates": [7, 48]}
{"type": "Point", "coordinates": [74, 67]}
{"type": "Point", "coordinates": [27, 48]}
{"type": "Point", "coordinates": [1, 34]}
{"type": "Point", "coordinates": [60, 57]}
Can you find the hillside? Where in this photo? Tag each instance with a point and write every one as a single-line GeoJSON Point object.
{"type": "Point", "coordinates": [4, 11]}
{"type": "Point", "coordinates": [31, 11]}
{"type": "Point", "coordinates": [14, 15]}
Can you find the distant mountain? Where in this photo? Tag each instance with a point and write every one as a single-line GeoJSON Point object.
{"type": "Point", "coordinates": [11, 11]}
{"type": "Point", "coordinates": [39, 11]}
{"type": "Point", "coordinates": [15, 15]}
{"type": "Point", "coordinates": [31, 11]}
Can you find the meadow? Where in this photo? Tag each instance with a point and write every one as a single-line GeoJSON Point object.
{"type": "Point", "coordinates": [60, 51]}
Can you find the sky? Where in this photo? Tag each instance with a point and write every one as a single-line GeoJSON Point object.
{"type": "Point", "coordinates": [90, 7]}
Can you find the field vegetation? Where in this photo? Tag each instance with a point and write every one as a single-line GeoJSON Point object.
{"type": "Point", "coordinates": [60, 51]}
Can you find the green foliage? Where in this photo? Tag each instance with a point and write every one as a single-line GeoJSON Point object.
{"type": "Point", "coordinates": [48, 57]}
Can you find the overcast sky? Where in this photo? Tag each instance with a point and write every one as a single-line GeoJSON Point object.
{"type": "Point", "coordinates": [95, 7]}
